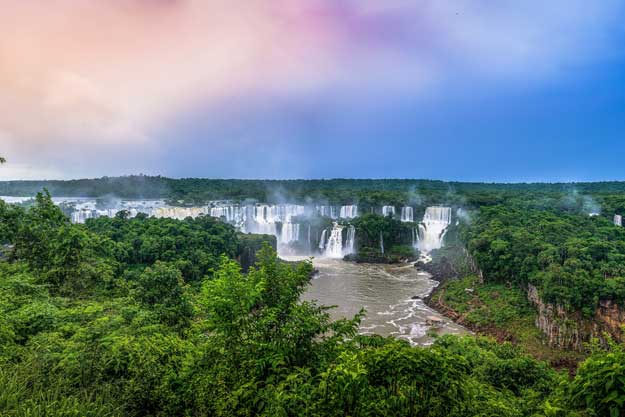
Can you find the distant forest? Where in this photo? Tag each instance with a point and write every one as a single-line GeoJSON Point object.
{"type": "Point", "coordinates": [189, 191]}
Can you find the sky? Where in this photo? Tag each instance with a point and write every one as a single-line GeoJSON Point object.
{"type": "Point", "coordinates": [468, 90]}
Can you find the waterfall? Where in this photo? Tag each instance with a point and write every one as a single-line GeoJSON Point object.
{"type": "Point", "coordinates": [179, 213]}
{"type": "Point", "coordinates": [381, 243]}
{"type": "Point", "coordinates": [618, 220]}
{"type": "Point", "coordinates": [415, 237]}
{"type": "Point", "coordinates": [348, 212]}
{"type": "Point", "coordinates": [289, 233]}
{"type": "Point", "coordinates": [388, 210]}
{"type": "Point", "coordinates": [350, 243]}
{"type": "Point", "coordinates": [407, 214]}
{"type": "Point", "coordinates": [334, 249]}
{"type": "Point", "coordinates": [327, 211]}
{"type": "Point", "coordinates": [233, 214]}
{"type": "Point", "coordinates": [322, 241]}
{"type": "Point", "coordinates": [433, 228]}
{"type": "Point", "coordinates": [80, 216]}
{"type": "Point", "coordinates": [263, 219]}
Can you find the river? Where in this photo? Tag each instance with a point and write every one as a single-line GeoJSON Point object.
{"type": "Point", "coordinates": [386, 292]}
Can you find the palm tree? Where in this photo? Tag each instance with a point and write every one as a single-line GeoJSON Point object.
{"type": "Point", "coordinates": [2, 160]}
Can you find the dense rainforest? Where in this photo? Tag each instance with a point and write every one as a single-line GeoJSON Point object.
{"type": "Point", "coordinates": [574, 260]}
{"type": "Point", "coordinates": [145, 316]}
{"type": "Point", "coordinates": [154, 317]}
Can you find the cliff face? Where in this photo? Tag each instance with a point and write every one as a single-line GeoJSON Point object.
{"type": "Point", "coordinates": [249, 245]}
{"type": "Point", "coordinates": [611, 316]}
{"type": "Point", "coordinates": [451, 262]}
{"type": "Point", "coordinates": [570, 330]}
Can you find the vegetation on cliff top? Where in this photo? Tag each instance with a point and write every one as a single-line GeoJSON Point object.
{"type": "Point", "coordinates": [573, 259]}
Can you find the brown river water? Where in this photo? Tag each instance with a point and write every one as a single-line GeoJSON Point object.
{"type": "Point", "coordinates": [386, 292]}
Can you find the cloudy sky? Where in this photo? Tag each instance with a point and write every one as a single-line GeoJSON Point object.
{"type": "Point", "coordinates": [476, 90]}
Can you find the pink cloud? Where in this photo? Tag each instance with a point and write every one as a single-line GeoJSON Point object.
{"type": "Point", "coordinates": [91, 73]}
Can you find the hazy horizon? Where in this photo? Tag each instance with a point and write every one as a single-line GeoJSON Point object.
{"type": "Point", "coordinates": [486, 182]}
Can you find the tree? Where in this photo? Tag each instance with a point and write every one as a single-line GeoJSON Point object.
{"type": "Point", "coordinates": [2, 160]}
{"type": "Point", "coordinates": [599, 386]}
{"type": "Point", "coordinates": [162, 289]}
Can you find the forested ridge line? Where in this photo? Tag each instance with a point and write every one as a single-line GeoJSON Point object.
{"type": "Point", "coordinates": [193, 190]}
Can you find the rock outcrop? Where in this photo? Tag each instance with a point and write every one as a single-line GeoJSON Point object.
{"type": "Point", "coordinates": [568, 330]}
{"type": "Point", "coordinates": [249, 245]}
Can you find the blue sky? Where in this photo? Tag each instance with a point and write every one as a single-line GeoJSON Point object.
{"type": "Point", "coordinates": [455, 90]}
{"type": "Point", "coordinates": [569, 128]}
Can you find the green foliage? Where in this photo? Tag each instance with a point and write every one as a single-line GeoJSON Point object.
{"type": "Point", "coordinates": [250, 245]}
{"type": "Point", "coordinates": [153, 317]}
{"type": "Point", "coordinates": [599, 386]}
{"type": "Point", "coordinates": [191, 245]}
{"type": "Point", "coordinates": [573, 259]}
{"type": "Point", "coordinates": [491, 304]}
{"type": "Point", "coordinates": [374, 232]}
{"type": "Point", "coordinates": [162, 289]}
{"type": "Point", "coordinates": [500, 310]}
{"type": "Point", "coordinates": [10, 217]}
{"type": "Point", "coordinates": [370, 227]}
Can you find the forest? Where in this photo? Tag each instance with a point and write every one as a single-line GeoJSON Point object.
{"type": "Point", "coordinates": [575, 260]}
{"type": "Point", "coordinates": [365, 192]}
{"type": "Point", "coordinates": [155, 317]}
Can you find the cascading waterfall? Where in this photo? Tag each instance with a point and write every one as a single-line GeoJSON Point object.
{"type": "Point", "coordinates": [350, 243]}
{"type": "Point", "coordinates": [322, 241]}
{"type": "Point", "coordinates": [381, 243]}
{"type": "Point", "coordinates": [179, 213]}
{"type": "Point", "coordinates": [80, 216]}
{"type": "Point", "coordinates": [348, 212]}
{"type": "Point", "coordinates": [273, 219]}
{"type": "Point", "coordinates": [81, 211]}
{"type": "Point", "coordinates": [232, 214]}
{"type": "Point", "coordinates": [327, 211]}
{"type": "Point", "coordinates": [618, 220]}
{"type": "Point", "coordinates": [279, 220]}
{"type": "Point", "coordinates": [407, 214]}
{"type": "Point", "coordinates": [264, 218]}
{"type": "Point", "coordinates": [289, 233]}
{"type": "Point", "coordinates": [388, 211]}
{"type": "Point", "coordinates": [433, 228]}
{"type": "Point", "coordinates": [334, 248]}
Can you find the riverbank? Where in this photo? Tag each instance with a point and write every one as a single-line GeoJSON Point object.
{"type": "Point", "coordinates": [499, 311]}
